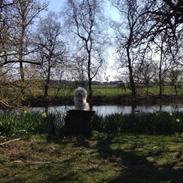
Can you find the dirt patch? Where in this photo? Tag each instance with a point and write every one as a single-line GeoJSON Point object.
{"type": "Point", "coordinates": [15, 150]}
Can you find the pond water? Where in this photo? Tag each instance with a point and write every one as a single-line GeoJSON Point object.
{"type": "Point", "coordinates": [112, 109]}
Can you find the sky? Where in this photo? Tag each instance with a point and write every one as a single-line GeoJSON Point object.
{"type": "Point", "coordinates": [110, 12]}
{"type": "Point", "coordinates": [55, 5]}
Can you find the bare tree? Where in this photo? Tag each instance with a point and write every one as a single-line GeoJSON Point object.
{"type": "Point", "coordinates": [174, 76]}
{"type": "Point", "coordinates": [83, 18]}
{"type": "Point", "coordinates": [130, 34]}
{"type": "Point", "coordinates": [5, 26]}
{"type": "Point", "coordinates": [51, 48]}
{"type": "Point", "coordinates": [162, 58]}
{"type": "Point", "coordinates": [166, 15]}
{"type": "Point", "coordinates": [145, 73]}
{"type": "Point", "coordinates": [24, 14]}
{"type": "Point", "coordinates": [79, 69]}
{"type": "Point", "coordinates": [166, 33]}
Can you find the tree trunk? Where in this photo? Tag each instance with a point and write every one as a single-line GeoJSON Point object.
{"type": "Point", "coordinates": [175, 88]}
{"type": "Point", "coordinates": [130, 69]}
{"type": "Point", "coordinates": [90, 93]}
{"type": "Point", "coordinates": [46, 86]}
{"type": "Point", "coordinates": [20, 56]}
{"type": "Point", "coordinates": [160, 85]}
{"type": "Point", "coordinates": [21, 47]}
{"type": "Point", "coordinates": [160, 71]}
{"type": "Point", "coordinates": [21, 71]}
{"type": "Point", "coordinates": [21, 68]}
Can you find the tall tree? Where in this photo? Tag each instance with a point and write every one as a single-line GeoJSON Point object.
{"type": "Point", "coordinates": [24, 14]}
{"type": "Point", "coordinates": [166, 16]}
{"type": "Point", "coordinates": [5, 26]}
{"type": "Point", "coordinates": [145, 73]}
{"type": "Point", "coordinates": [130, 33]}
{"type": "Point", "coordinates": [83, 18]}
{"type": "Point", "coordinates": [174, 77]}
{"type": "Point", "coordinates": [79, 69]}
{"type": "Point", "coordinates": [51, 48]}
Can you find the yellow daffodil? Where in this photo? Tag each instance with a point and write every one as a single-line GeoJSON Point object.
{"type": "Point", "coordinates": [177, 120]}
{"type": "Point", "coordinates": [44, 115]}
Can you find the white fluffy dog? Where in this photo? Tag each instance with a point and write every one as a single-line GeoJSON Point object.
{"type": "Point", "coordinates": [80, 97]}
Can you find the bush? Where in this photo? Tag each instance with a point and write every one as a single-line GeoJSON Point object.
{"type": "Point", "coordinates": [16, 124]}
{"type": "Point", "coordinates": [141, 123]}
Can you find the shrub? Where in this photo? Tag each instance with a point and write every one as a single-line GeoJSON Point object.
{"type": "Point", "coordinates": [141, 123]}
{"type": "Point", "coordinates": [15, 123]}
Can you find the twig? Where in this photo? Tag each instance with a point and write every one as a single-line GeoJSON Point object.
{"type": "Point", "coordinates": [5, 104]}
{"type": "Point", "coordinates": [33, 162]}
{"type": "Point", "coordinates": [9, 141]}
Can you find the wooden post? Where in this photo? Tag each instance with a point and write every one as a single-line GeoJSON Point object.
{"type": "Point", "coordinates": [78, 122]}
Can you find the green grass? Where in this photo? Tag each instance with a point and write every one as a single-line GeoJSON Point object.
{"type": "Point", "coordinates": [102, 158]}
{"type": "Point", "coordinates": [116, 151]}
{"type": "Point", "coordinates": [109, 91]}
{"type": "Point", "coordinates": [97, 91]}
{"type": "Point", "coordinates": [115, 91]}
{"type": "Point", "coordinates": [154, 90]}
{"type": "Point", "coordinates": [34, 96]}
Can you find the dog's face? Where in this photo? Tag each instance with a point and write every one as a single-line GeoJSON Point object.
{"type": "Point", "coordinates": [80, 93]}
{"type": "Point", "coordinates": [80, 96]}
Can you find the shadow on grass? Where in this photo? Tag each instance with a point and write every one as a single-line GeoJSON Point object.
{"type": "Point", "coordinates": [136, 168]}
{"type": "Point", "coordinates": [126, 165]}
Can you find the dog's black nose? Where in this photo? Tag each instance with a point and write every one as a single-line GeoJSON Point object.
{"type": "Point", "coordinates": [79, 95]}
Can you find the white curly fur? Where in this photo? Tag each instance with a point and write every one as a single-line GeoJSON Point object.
{"type": "Point", "coordinates": [80, 99]}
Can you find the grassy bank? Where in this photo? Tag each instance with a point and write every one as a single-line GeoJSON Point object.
{"type": "Point", "coordinates": [102, 158]}
{"type": "Point", "coordinates": [120, 149]}
{"type": "Point", "coordinates": [109, 91]}
{"type": "Point", "coordinates": [15, 124]}
{"type": "Point", "coordinates": [159, 123]}
{"type": "Point", "coordinates": [101, 95]}
{"type": "Point", "coordinates": [24, 123]}
{"type": "Point", "coordinates": [105, 100]}
{"type": "Point", "coordinates": [107, 95]}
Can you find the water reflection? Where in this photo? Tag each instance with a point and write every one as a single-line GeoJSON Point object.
{"type": "Point", "coordinates": [111, 109]}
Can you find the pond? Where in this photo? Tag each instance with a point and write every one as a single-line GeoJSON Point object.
{"type": "Point", "coordinates": [112, 109]}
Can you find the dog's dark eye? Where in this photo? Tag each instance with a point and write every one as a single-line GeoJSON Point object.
{"type": "Point", "coordinates": [79, 95]}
